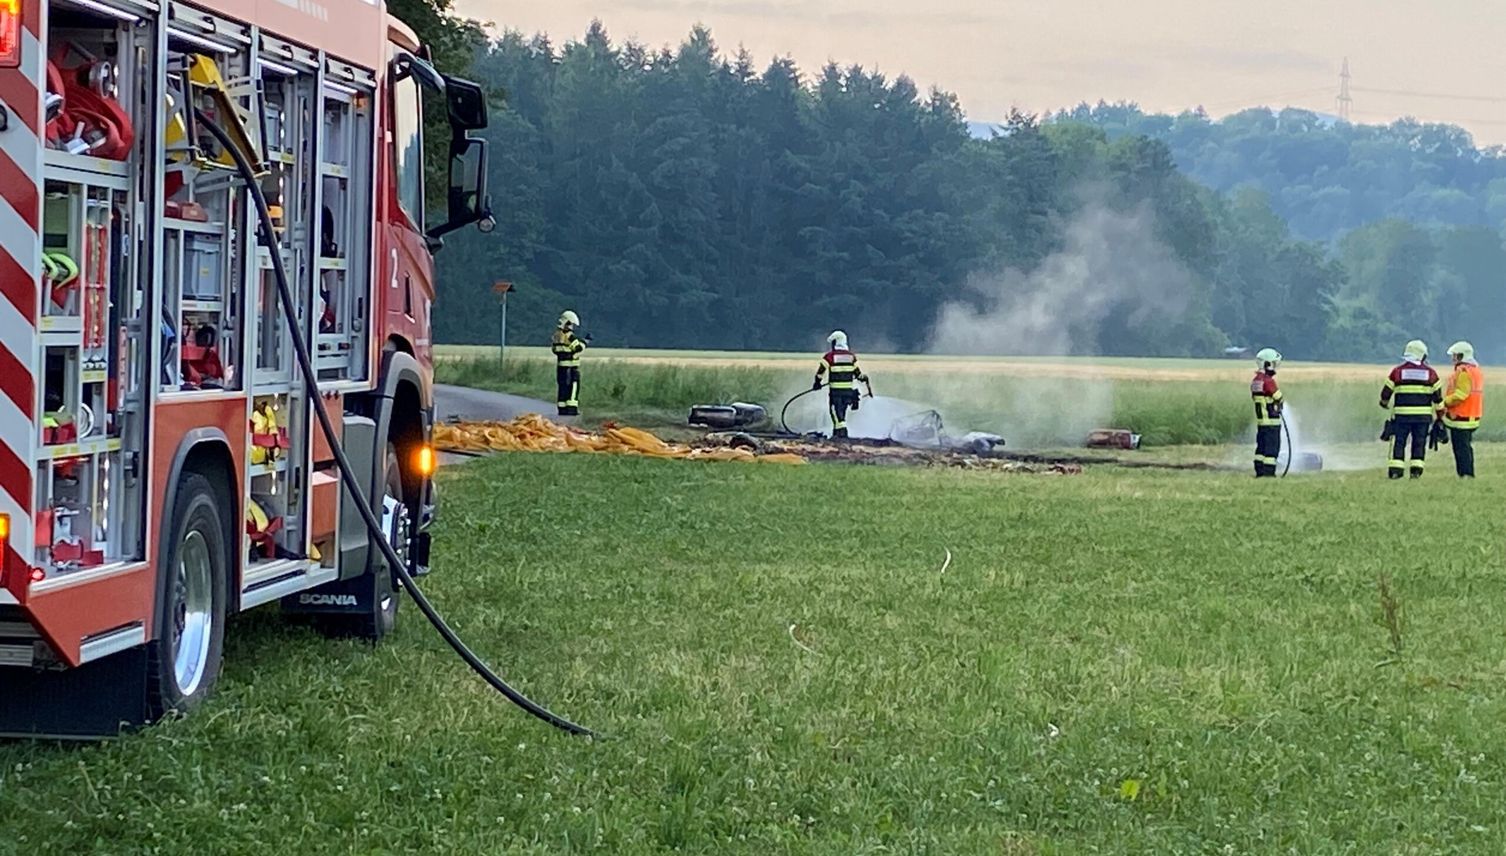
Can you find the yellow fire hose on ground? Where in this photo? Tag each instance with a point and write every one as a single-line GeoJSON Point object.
{"type": "Point", "coordinates": [533, 433]}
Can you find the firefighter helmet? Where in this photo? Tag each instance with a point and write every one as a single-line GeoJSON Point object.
{"type": "Point", "coordinates": [1416, 350]}
{"type": "Point", "coordinates": [837, 340]}
{"type": "Point", "coordinates": [1463, 350]}
{"type": "Point", "coordinates": [568, 317]}
{"type": "Point", "coordinates": [1267, 359]}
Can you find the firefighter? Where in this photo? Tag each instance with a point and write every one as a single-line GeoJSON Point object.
{"type": "Point", "coordinates": [567, 345]}
{"type": "Point", "coordinates": [840, 367]}
{"type": "Point", "coordinates": [1464, 404]}
{"type": "Point", "coordinates": [1414, 395]}
{"type": "Point", "coordinates": [1268, 404]}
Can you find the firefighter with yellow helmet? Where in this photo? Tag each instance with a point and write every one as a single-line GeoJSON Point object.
{"type": "Point", "coordinates": [567, 345]}
{"type": "Point", "coordinates": [1268, 403]}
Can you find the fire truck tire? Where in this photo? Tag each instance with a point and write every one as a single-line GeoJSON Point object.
{"type": "Point", "coordinates": [380, 619]}
{"type": "Point", "coordinates": [183, 662]}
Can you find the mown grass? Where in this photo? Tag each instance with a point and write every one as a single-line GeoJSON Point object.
{"type": "Point", "coordinates": [1114, 663]}
{"type": "Point", "coordinates": [1029, 410]}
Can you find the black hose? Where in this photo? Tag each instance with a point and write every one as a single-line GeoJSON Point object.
{"type": "Point", "coordinates": [347, 472]}
{"type": "Point", "coordinates": [1291, 451]}
{"type": "Point", "coordinates": [782, 413]}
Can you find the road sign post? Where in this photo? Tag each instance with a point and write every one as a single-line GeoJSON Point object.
{"type": "Point", "coordinates": [502, 289]}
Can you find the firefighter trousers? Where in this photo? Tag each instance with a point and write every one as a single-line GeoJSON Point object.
{"type": "Point", "coordinates": [567, 378]}
{"type": "Point", "coordinates": [1463, 441]}
{"type": "Point", "coordinates": [840, 401]}
{"type": "Point", "coordinates": [1267, 450]}
{"type": "Point", "coordinates": [1415, 430]}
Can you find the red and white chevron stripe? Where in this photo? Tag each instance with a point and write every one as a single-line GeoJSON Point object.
{"type": "Point", "coordinates": [21, 157]}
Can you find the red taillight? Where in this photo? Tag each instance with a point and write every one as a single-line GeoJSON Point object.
{"type": "Point", "coordinates": [10, 33]}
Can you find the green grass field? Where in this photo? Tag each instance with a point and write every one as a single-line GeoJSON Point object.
{"type": "Point", "coordinates": [1118, 662]}
{"type": "Point", "coordinates": [1033, 402]}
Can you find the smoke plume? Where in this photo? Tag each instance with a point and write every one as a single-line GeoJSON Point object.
{"type": "Point", "coordinates": [1112, 286]}
{"type": "Point", "coordinates": [1111, 272]}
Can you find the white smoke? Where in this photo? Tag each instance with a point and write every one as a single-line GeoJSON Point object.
{"type": "Point", "coordinates": [1313, 436]}
{"type": "Point", "coordinates": [1111, 272]}
{"type": "Point", "coordinates": [1111, 267]}
{"type": "Point", "coordinates": [876, 418]}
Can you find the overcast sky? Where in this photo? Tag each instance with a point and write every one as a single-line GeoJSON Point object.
{"type": "Point", "coordinates": [1043, 54]}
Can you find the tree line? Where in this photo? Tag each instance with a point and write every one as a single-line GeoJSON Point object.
{"type": "Point", "coordinates": [1324, 176]}
{"type": "Point", "coordinates": [688, 198]}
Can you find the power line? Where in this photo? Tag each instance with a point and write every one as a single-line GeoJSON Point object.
{"type": "Point", "coordinates": [1264, 100]}
{"type": "Point", "coordinates": [1392, 117]}
{"type": "Point", "coordinates": [1405, 93]}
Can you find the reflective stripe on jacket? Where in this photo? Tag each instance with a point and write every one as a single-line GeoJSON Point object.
{"type": "Point", "coordinates": [1267, 397]}
{"type": "Point", "coordinates": [1413, 391]}
{"type": "Point", "coordinates": [842, 366]}
{"type": "Point", "coordinates": [566, 348]}
{"type": "Point", "coordinates": [1465, 397]}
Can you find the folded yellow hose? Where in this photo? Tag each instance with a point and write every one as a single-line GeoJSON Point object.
{"type": "Point", "coordinates": [533, 433]}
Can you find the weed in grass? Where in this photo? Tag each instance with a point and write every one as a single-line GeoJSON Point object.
{"type": "Point", "coordinates": [1390, 614]}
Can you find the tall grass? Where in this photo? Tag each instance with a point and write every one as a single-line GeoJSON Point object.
{"type": "Point", "coordinates": [1030, 411]}
{"type": "Point", "coordinates": [610, 387]}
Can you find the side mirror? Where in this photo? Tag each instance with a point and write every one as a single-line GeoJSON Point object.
{"type": "Point", "coordinates": [467, 105]}
{"type": "Point", "coordinates": [467, 199]}
{"type": "Point", "coordinates": [407, 65]}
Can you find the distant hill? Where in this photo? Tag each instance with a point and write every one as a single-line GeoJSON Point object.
{"type": "Point", "coordinates": [1324, 176]}
{"type": "Point", "coordinates": [984, 130]}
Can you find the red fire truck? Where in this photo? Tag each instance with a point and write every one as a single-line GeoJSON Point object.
{"type": "Point", "coordinates": [160, 468]}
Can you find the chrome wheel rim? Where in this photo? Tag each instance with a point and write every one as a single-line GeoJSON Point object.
{"type": "Point", "coordinates": [193, 614]}
{"type": "Point", "coordinates": [396, 523]}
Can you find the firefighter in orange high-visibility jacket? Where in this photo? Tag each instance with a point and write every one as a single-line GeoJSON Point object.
{"type": "Point", "coordinates": [1464, 405]}
{"type": "Point", "coordinates": [839, 366]}
{"type": "Point", "coordinates": [1268, 403]}
{"type": "Point", "coordinates": [1414, 395]}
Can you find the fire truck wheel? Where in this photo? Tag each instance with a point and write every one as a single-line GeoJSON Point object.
{"type": "Point", "coordinates": [375, 622]}
{"type": "Point", "coordinates": [184, 660]}
{"type": "Point", "coordinates": [396, 523]}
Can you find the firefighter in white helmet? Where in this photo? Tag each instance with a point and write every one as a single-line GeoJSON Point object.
{"type": "Point", "coordinates": [1414, 395]}
{"type": "Point", "coordinates": [567, 345]}
{"type": "Point", "coordinates": [1268, 403]}
{"type": "Point", "coordinates": [840, 368]}
{"type": "Point", "coordinates": [1464, 405]}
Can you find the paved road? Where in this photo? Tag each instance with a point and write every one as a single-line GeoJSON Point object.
{"type": "Point", "coordinates": [466, 403]}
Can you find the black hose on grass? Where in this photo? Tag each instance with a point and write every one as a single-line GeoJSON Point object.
{"type": "Point", "coordinates": [347, 472]}
{"type": "Point", "coordinates": [785, 411]}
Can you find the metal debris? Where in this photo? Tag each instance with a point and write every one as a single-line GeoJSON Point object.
{"type": "Point", "coordinates": [738, 414]}
{"type": "Point", "coordinates": [1113, 438]}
